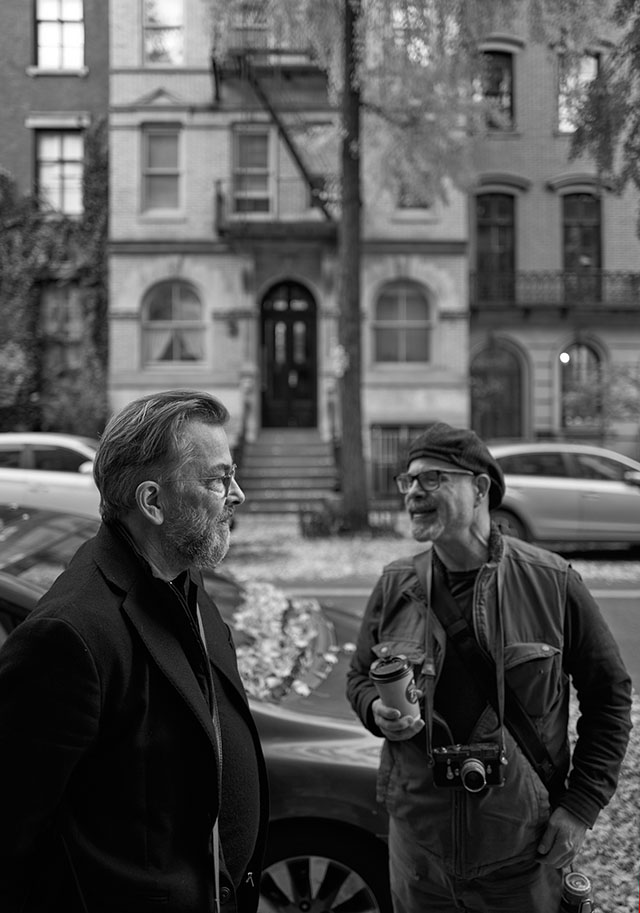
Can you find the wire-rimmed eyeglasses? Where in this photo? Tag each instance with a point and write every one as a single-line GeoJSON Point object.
{"type": "Point", "coordinates": [217, 485]}
{"type": "Point", "coordinates": [428, 479]}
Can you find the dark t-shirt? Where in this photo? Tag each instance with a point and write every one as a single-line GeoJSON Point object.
{"type": "Point", "coordinates": [456, 697]}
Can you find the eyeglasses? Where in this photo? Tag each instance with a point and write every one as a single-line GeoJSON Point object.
{"type": "Point", "coordinates": [218, 485]}
{"type": "Point", "coordinates": [428, 480]}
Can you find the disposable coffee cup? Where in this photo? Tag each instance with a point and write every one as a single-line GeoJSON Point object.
{"type": "Point", "coordinates": [393, 678]}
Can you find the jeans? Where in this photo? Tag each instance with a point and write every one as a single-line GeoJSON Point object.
{"type": "Point", "coordinates": [420, 884]}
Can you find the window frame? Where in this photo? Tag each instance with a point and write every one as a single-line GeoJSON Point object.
{"type": "Point", "coordinates": [197, 327]}
{"type": "Point", "coordinates": [494, 125]}
{"type": "Point", "coordinates": [147, 173]}
{"type": "Point", "coordinates": [238, 132]}
{"type": "Point", "coordinates": [568, 69]}
{"type": "Point", "coordinates": [62, 26]}
{"type": "Point", "coordinates": [148, 28]}
{"type": "Point", "coordinates": [495, 284]}
{"type": "Point", "coordinates": [402, 326]}
{"type": "Point", "coordinates": [587, 383]}
{"type": "Point", "coordinates": [59, 164]}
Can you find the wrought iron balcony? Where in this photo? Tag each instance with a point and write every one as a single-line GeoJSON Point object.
{"type": "Point", "coordinates": [610, 289]}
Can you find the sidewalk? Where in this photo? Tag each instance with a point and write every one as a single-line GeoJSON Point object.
{"type": "Point", "coordinates": [273, 550]}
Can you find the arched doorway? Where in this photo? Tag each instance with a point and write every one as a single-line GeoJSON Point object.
{"type": "Point", "coordinates": [289, 357]}
{"type": "Point", "coordinates": [496, 393]}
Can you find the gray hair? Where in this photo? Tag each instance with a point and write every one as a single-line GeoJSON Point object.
{"type": "Point", "coordinates": [146, 437]}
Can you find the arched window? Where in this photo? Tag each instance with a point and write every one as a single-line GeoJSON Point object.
{"type": "Point", "coordinates": [581, 387]}
{"type": "Point", "coordinates": [172, 324]}
{"type": "Point", "coordinates": [403, 324]}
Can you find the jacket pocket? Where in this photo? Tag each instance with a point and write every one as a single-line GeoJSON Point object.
{"type": "Point", "coordinates": [534, 672]}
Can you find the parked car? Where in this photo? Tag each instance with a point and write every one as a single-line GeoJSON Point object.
{"type": "Point", "coordinates": [54, 471]}
{"type": "Point", "coordinates": [327, 840]}
{"type": "Point", "coordinates": [569, 494]}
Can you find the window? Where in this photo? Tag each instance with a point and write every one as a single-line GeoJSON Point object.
{"type": "Point", "coordinates": [60, 34]}
{"type": "Point", "coordinates": [161, 168]}
{"type": "Point", "coordinates": [412, 196]}
{"type": "Point", "coordinates": [163, 27]}
{"type": "Point", "coordinates": [581, 386]}
{"type": "Point", "coordinates": [10, 457]}
{"type": "Point", "coordinates": [573, 78]}
{"type": "Point", "coordinates": [251, 171]}
{"type": "Point", "coordinates": [402, 324]}
{"type": "Point", "coordinates": [389, 449]}
{"type": "Point", "coordinates": [173, 328]}
{"type": "Point", "coordinates": [59, 167]}
{"type": "Point", "coordinates": [497, 88]}
{"type": "Point", "coordinates": [581, 242]}
{"type": "Point", "coordinates": [495, 247]}
{"type": "Point", "coordinates": [250, 27]}
{"type": "Point", "coordinates": [57, 459]}
{"type": "Point", "coordinates": [543, 464]}
{"type": "Point", "coordinates": [604, 469]}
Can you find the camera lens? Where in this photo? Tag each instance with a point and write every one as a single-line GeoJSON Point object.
{"type": "Point", "coordinates": [473, 775]}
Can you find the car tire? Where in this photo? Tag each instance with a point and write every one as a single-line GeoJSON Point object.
{"type": "Point", "coordinates": [318, 868]}
{"type": "Point", "coordinates": [509, 524]}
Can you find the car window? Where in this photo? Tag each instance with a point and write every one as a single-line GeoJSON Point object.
{"type": "Point", "coordinates": [57, 459]}
{"type": "Point", "coordinates": [594, 466]}
{"type": "Point", "coordinates": [38, 550]}
{"type": "Point", "coordinates": [543, 463]}
{"type": "Point", "coordinates": [10, 457]}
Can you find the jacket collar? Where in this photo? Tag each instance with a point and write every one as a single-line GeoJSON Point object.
{"type": "Point", "coordinates": [148, 603]}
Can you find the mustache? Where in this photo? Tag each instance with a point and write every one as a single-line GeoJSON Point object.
{"type": "Point", "coordinates": [421, 504]}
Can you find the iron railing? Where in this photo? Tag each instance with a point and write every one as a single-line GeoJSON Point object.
{"type": "Point", "coordinates": [556, 288]}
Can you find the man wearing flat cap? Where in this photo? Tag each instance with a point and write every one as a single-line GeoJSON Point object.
{"type": "Point", "coordinates": [486, 802]}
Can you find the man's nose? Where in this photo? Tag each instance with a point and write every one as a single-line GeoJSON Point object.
{"type": "Point", "coordinates": [235, 492]}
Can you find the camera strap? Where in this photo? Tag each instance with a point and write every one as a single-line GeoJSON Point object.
{"type": "Point", "coordinates": [483, 668]}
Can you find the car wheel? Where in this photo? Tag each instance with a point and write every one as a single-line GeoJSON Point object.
{"type": "Point", "coordinates": [319, 869]}
{"type": "Point", "coordinates": [509, 524]}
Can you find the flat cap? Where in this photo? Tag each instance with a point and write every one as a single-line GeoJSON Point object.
{"type": "Point", "coordinates": [463, 449]}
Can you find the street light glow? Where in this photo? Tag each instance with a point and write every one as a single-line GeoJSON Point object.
{"type": "Point", "coordinates": [565, 358]}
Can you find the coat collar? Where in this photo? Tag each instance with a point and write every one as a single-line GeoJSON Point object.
{"type": "Point", "coordinates": [148, 603]}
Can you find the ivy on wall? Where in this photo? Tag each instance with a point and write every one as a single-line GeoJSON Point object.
{"type": "Point", "coordinates": [55, 380]}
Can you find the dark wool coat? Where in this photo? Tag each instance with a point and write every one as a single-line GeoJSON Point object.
{"type": "Point", "coordinates": [107, 748]}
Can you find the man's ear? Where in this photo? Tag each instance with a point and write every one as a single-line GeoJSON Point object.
{"type": "Point", "coordinates": [148, 501]}
{"type": "Point", "coordinates": [483, 484]}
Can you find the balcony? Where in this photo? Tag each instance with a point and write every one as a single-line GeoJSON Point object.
{"type": "Point", "coordinates": [527, 291]}
{"type": "Point", "coordinates": [276, 208]}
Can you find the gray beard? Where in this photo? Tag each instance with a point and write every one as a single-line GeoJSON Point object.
{"type": "Point", "coordinates": [192, 541]}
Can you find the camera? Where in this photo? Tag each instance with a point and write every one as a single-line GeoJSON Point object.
{"type": "Point", "coordinates": [470, 767]}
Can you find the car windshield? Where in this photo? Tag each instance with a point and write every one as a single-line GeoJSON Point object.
{"type": "Point", "coordinates": [284, 646]}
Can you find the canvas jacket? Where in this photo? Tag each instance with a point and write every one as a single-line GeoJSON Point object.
{"type": "Point", "coordinates": [552, 633]}
{"type": "Point", "coordinates": [108, 749]}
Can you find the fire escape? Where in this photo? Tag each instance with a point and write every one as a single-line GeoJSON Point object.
{"type": "Point", "coordinates": [282, 82]}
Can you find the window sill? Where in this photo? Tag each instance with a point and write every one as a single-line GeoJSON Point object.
{"type": "Point", "coordinates": [175, 366]}
{"type": "Point", "coordinates": [80, 72]}
{"type": "Point", "coordinates": [416, 216]}
{"type": "Point", "coordinates": [162, 215]}
{"type": "Point", "coordinates": [509, 134]}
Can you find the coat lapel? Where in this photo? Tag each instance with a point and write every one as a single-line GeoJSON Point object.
{"type": "Point", "coordinates": [121, 567]}
{"type": "Point", "coordinates": [168, 655]}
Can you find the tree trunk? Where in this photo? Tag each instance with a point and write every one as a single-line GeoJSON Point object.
{"type": "Point", "coordinates": [354, 483]}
